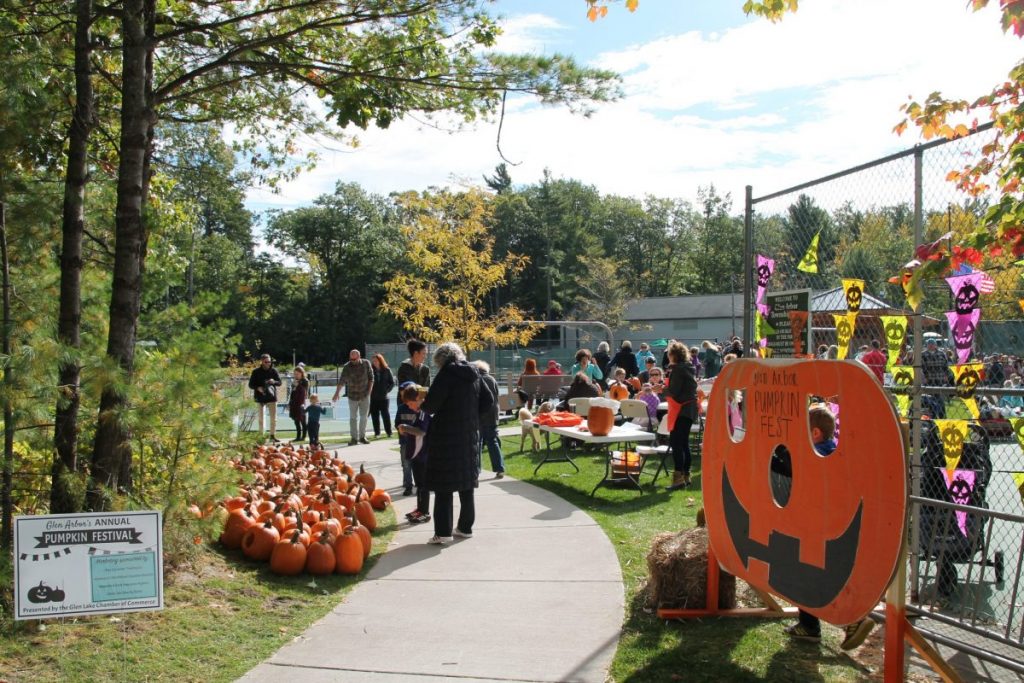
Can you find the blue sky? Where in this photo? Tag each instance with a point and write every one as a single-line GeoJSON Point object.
{"type": "Point", "coordinates": [712, 96]}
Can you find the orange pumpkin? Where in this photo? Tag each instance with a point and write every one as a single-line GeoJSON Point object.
{"type": "Point", "coordinates": [364, 511]}
{"type": "Point", "coordinates": [288, 557]}
{"type": "Point", "coordinates": [600, 420]}
{"type": "Point", "coordinates": [828, 536]}
{"type": "Point", "coordinates": [320, 558]}
{"type": "Point", "coordinates": [348, 553]}
{"type": "Point", "coordinates": [238, 522]}
{"type": "Point", "coordinates": [363, 533]}
{"type": "Point", "coordinates": [365, 478]}
{"type": "Point", "coordinates": [380, 499]}
{"type": "Point", "coordinates": [258, 542]}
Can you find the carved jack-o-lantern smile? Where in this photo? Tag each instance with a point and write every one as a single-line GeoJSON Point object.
{"type": "Point", "coordinates": [960, 491]}
{"type": "Point", "coordinates": [832, 547]}
{"type": "Point", "coordinates": [764, 273]}
{"type": "Point", "coordinates": [963, 333]}
{"type": "Point", "coordinates": [952, 440]}
{"type": "Point", "coordinates": [967, 382]}
{"type": "Point", "coordinates": [853, 298]}
{"type": "Point", "coordinates": [894, 334]}
{"type": "Point", "coordinates": [843, 332]}
{"type": "Point", "coordinates": [966, 298]}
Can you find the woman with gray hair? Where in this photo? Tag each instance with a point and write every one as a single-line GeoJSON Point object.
{"type": "Point", "coordinates": [456, 398]}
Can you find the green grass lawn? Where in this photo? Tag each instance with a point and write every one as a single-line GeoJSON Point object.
{"type": "Point", "coordinates": [222, 616]}
{"type": "Point", "coordinates": [651, 649]}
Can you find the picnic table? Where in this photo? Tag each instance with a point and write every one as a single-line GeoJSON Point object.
{"type": "Point", "coordinates": [617, 470]}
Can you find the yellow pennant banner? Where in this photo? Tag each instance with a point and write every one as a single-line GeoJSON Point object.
{"type": "Point", "coordinates": [895, 329]}
{"type": "Point", "coordinates": [809, 263]}
{"type": "Point", "coordinates": [854, 290]}
{"type": "Point", "coordinates": [953, 433]}
{"type": "Point", "coordinates": [1018, 479]}
{"type": "Point", "coordinates": [845, 324]}
{"type": "Point", "coordinates": [967, 377]}
{"type": "Point", "coordinates": [1018, 428]}
{"type": "Point", "coordinates": [903, 405]}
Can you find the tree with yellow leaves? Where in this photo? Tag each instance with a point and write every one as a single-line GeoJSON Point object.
{"type": "Point", "coordinates": [450, 272]}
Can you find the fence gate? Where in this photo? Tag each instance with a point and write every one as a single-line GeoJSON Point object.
{"type": "Point", "coordinates": [956, 376]}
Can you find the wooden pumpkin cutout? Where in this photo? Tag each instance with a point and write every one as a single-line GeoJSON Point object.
{"type": "Point", "coordinates": [832, 546]}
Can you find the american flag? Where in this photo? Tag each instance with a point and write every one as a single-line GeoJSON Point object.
{"type": "Point", "coordinates": [986, 285]}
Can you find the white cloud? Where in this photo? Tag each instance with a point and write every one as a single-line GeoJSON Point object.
{"type": "Point", "coordinates": [764, 104]}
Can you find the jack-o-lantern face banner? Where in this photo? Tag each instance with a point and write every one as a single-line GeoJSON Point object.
{"type": "Point", "coordinates": [966, 292]}
{"type": "Point", "coordinates": [902, 376]}
{"type": "Point", "coordinates": [797, 324]}
{"type": "Point", "coordinates": [895, 329]}
{"type": "Point", "coordinates": [854, 290]}
{"type": "Point", "coordinates": [952, 434]}
{"type": "Point", "coordinates": [963, 326]}
{"type": "Point", "coordinates": [833, 545]}
{"type": "Point", "coordinates": [845, 324]}
{"type": "Point", "coordinates": [961, 491]}
{"type": "Point", "coordinates": [809, 263]}
{"type": "Point", "coordinates": [765, 267]}
{"type": "Point", "coordinates": [967, 378]}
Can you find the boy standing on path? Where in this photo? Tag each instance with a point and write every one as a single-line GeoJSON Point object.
{"type": "Point", "coordinates": [357, 376]}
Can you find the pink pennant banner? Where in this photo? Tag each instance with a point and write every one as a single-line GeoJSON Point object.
{"type": "Point", "coordinates": [966, 291]}
{"type": "Point", "coordinates": [765, 268]}
{"type": "Point", "coordinates": [963, 327]}
{"type": "Point", "coordinates": [961, 491]}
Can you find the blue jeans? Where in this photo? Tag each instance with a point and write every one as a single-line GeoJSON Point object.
{"type": "Point", "coordinates": [358, 411]}
{"type": "Point", "coordinates": [489, 438]}
{"type": "Point", "coordinates": [407, 473]}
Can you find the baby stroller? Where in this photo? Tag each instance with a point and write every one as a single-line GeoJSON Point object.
{"type": "Point", "coordinates": [950, 536]}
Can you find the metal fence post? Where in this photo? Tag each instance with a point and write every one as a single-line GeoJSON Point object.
{"type": "Point", "coordinates": [748, 267]}
{"type": "Point", "coordinates": [915, 422]}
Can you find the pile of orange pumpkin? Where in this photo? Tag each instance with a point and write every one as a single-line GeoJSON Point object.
{"type": "Point", "coordinates": [303, 510]}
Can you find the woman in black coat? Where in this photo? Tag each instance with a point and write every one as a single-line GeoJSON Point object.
{"type": "Point", "coordinates": [682, 408]}
{"type": "Point", "coordinates": [455, 400]}
{"type": "Point", "coordinates": [626, 360]}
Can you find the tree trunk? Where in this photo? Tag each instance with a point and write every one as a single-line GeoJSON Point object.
{"type": "Point", "coordinates": [6, 479]}
{"type": "Point", "coordinates": [65, 436]}
{"type": "Point", "coordinates": [111, 457]}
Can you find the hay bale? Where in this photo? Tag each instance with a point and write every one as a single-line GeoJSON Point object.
{"type": "Point", "coordinates": [678, 572]}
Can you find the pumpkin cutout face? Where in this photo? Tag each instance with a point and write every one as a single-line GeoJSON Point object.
{"type": "Point", "coordinates": [833, 545]}
{"type": "Point", "coordinates": [854, 298]}
{"type": "Point", "coordinates": [1018, 430]}
{"type": "Point", "coordinates": [963, 333]}
{"type": "Point", "coordinates": [894, 333]}
{"type": "Point", "coordinates": [961, 491]}
{"type": "Point", "coordinates": [967, 382]}
{"type": "Point", "coordinates": [844, 331]}
{"type": "Point", "coordinates": [952, 440]}
{"type": "Point", "coordinates": [966, 298]}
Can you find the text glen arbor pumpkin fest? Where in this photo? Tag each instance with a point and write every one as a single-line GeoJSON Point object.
{"type": "Point", "coordinates": [832, 543]}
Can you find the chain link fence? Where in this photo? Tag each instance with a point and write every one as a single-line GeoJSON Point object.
{"type": "Point", "coordinates": [960, 360]}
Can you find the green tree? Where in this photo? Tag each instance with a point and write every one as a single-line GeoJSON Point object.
{"type": "Point", "coordinates": [717, 241]}
{"type": "Point", "coordinates": [350, 241]}
{"type": "Point", "coordinates": [371, 64]}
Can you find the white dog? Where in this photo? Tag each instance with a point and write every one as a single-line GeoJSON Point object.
{"type": "Point", "coordinates": [529, 428]}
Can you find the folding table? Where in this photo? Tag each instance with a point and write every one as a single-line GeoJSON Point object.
{"type": "Point", "coordinates": [626, 433]}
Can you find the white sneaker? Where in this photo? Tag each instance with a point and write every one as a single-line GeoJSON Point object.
{"type": "Point", "coordinates": [440, 540]}
{"type": "Point", "coordinates": [463, 534]}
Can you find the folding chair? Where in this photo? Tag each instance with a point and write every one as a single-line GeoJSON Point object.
{"type": "Point", "coordinates": [662, 449]}
{"type": "Point", "coordinates": [634, 409]}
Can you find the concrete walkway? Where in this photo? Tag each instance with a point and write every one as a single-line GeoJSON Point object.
{"type": "Point", "coordinates": [535, 595]}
